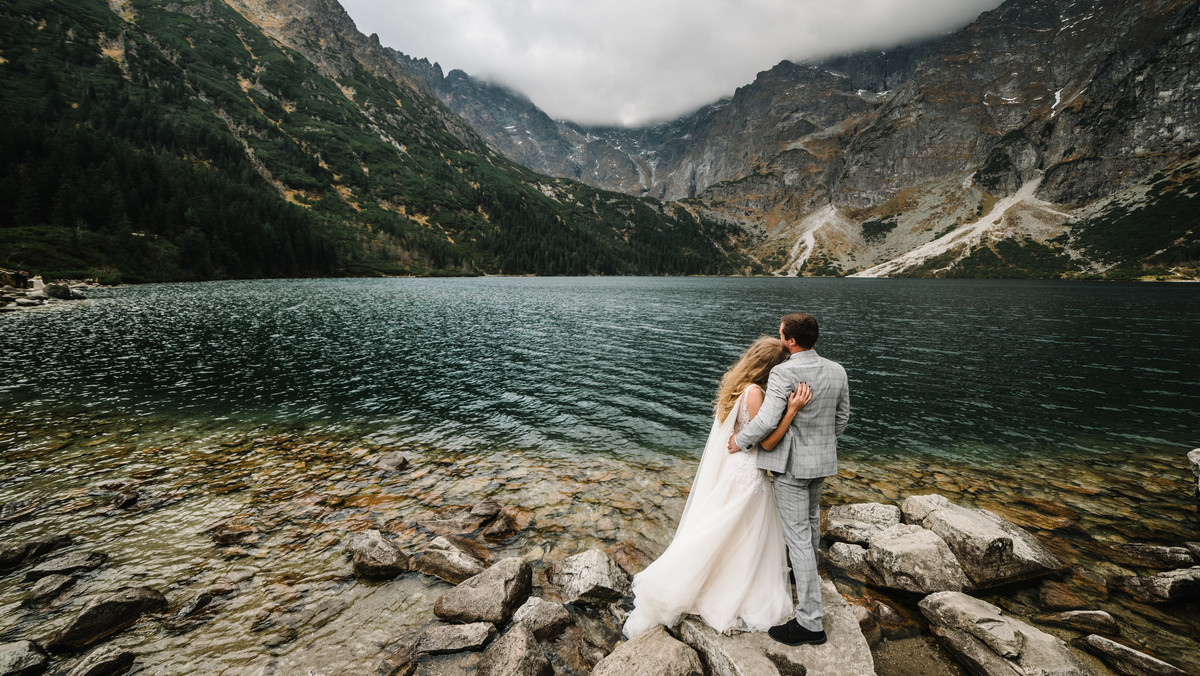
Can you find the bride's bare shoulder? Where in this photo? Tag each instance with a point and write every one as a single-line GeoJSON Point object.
{"type": "Point", "coordinates": [754, 399]}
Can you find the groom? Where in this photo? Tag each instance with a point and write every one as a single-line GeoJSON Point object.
{"type": "Point", "coordinates": [801, 461]}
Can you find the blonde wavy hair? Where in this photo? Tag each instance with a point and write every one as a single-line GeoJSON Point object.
{"type": "Point", "coordinates": [754, 367]}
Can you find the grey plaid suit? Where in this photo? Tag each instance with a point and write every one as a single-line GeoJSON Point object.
{"type": "Point", "coordinates": [801, 461]}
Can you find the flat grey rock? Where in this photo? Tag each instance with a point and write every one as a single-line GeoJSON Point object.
{"type": "Point", "coordinates": [914, 559]}
{"type": "Point", "coordinates": [845, 653]}
{"type": "Point", "coordinates": [857, 523]}
{"type": "Point", "coordinates": [990, 550]}
{"type": "Point", "coordinates": [988, 642]}
{"type": "Point", "coordinates": [653, 653]}
{"type": "Point", "coordinates": [453, 638]}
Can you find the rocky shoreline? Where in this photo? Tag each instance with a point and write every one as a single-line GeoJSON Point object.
{"type": "Point", "coordinates": [19, 293]}
{"type": "Point", "coordinates": [524, 612]}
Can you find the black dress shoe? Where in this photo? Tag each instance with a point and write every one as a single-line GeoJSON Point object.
{"type": "Point", "coordinates": [791, 633]}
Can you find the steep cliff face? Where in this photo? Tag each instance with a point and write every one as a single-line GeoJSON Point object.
{"type": "Point", "coordinates": [993, 150]}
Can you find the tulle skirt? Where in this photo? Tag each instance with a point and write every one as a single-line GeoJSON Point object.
{"type": "Point", "coordinates": [727, 562]}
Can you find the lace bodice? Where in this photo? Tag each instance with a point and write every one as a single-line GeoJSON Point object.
{"type": "Point", "coordinates": [742, 468]}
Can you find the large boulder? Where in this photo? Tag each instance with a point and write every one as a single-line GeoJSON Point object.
{"type": "Point", "coordinates": [59, 291]}
{"type": "Point", "coordinates": [846, 653]}
{"type": "Point", "coordinates": [1128, 661]}
{"type": "Point", "coordinates": [990, 550]}
{"type": "Point", "coordinates": [591, 578]}
{"type": "Point", "coordinates": [517, 653]}
{"type": "Point", "coordinates": [452, 559]}
{"type": "Point", "coordinates": [653, 653]}
{"type": "Point", "coordinates": [22, 658]}
{"type": "Point", "coordinates": [491, 596]}
{"type": "Point", "coordinates": [453, 638]}
{"type": "Point", "coordinates": [376, 556]}
{"type": "Point", "coordinates": [858, 523]}
{"type": "Point", "coordinates": [913, 559]}
{"type": "Point", "coordinates": [852, 559]}
{"type": "Point", "coordinates": [988, 642]}
{"type": "Point", "coordinates": [105, 615]}
{"type": "Point", "coordinates": [1173, 585]}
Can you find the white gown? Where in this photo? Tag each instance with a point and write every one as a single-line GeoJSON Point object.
{"type": "Point", "coordinates": [727, 562]}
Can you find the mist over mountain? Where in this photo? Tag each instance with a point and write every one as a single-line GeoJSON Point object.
{"type": "Point", "coordinates": [1047, 138]}
{"type": "Point", "coordinates": [200, 139]}
{"type": "Point", "coordinates": [240, 138]}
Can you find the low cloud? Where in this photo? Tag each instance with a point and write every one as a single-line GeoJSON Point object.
{"type": "Point", "coordinates": [634, 62]}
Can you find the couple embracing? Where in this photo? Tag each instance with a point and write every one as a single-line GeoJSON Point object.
{"type": "Point", "coordinates": [755, 501]}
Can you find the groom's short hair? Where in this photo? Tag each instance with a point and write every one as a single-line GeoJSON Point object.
{"type": "Point", "coordinates": [801, 327]}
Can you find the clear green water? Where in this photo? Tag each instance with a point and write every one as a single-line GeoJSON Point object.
{"type": "Point", "coordinates": [581, 401]}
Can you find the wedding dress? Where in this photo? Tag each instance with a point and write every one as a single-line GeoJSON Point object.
{"type": "Point", "coordinates": [727, 562]}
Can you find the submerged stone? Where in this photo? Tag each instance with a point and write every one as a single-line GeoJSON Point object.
{"type": "Point", "coordinates": [106, 615]}
{"type": "Point", "coordinates": [1126, 660]}
{"type": "Point", "coordinates": [47, 590]}
{"type": "Point", "coordinates": [22, 658]}
{"type": "Point", "coordinates": [17, 553]}
{"type": "Point", "coordinates": [107, 661]}
{"type": "Point", "coordinates": [1096, 621]}
{"type": "Point", "coordinates": [989, 642]}
{"type": "Point", "coordinates": [69, 564]}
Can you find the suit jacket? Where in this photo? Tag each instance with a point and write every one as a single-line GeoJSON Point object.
{"type": "Point", "coordinates": [808, 449]}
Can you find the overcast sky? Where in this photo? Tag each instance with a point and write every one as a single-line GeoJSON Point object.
{"type": "Point", "coordinates": [637, 61]}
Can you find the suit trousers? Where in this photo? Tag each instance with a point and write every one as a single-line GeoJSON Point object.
{"type": "Point", "coordinates": [799, 503]}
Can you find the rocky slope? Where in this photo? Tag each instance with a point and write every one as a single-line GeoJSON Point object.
{"type": "Point", "coordinates": [1047, 138]}
{"type": "Point", "coordinates": [201, 139]}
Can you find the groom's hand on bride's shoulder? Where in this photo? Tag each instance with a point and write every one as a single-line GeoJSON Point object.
{"type": "Point", "coordinates": [733, 447]}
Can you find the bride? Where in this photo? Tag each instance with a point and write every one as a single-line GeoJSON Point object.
{"type": "Point", "coordinates": [727, 562]}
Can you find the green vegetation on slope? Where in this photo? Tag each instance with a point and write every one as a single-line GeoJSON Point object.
{"type": "Point", "coordinates": [188, 145]}
{"type": "Point", "coordinates": [1162, 233]}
